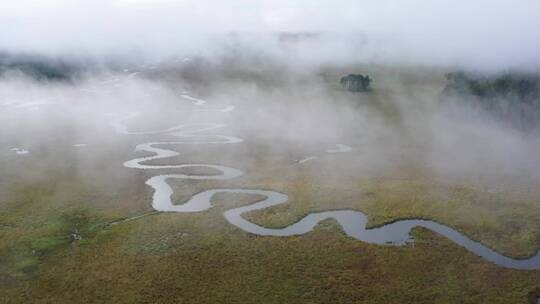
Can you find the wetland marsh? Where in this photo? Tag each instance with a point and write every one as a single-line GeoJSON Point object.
{"type": "Point", "coordinates": [182, 151]}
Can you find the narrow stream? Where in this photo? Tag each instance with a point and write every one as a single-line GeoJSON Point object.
{"type": "Point", "coordinates": [353, 222]}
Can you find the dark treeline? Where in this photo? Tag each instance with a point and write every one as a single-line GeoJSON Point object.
{"type": "Point", "coordinates": [511, 97]}
{"type": "Point", "coordinates": [38, 67]}
{"type": "Point", "coordinates": [59, 68]}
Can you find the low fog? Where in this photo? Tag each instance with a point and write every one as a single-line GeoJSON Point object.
{"type": "Point", "coordinates": [283, 112]}
{"type": "Point", "coordinates": [480, 34]}
{"type": "Point", "coordinates": [278, 63]}
{"type": "Point", "coordinates": [269, 151]}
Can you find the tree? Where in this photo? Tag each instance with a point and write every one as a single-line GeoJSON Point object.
{"type": "Point", "coordinates": [356, 82]}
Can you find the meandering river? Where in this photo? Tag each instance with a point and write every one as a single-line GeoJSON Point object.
{"type": "Point", "coordinates": [352, 222]}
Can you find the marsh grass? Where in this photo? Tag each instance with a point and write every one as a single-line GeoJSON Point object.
{"type": "Point", "coordinates": [201, 258]}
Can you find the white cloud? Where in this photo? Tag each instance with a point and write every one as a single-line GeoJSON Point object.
{"type": "Point", "coordinates": [483, 32]}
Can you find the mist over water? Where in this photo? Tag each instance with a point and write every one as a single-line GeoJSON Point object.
{"type": "Point", "coordinates": [281, 109]}
{"type": "Point", "coordinates": [148, 107]}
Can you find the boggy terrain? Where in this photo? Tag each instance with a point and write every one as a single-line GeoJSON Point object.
{"type": "Point", "coordinates": [78, 224]}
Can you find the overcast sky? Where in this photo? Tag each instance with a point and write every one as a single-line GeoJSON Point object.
{"type": "Point", "coordinates": [497, 34]}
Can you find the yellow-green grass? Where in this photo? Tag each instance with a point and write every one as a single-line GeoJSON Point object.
{"type": "Point", "coordinates": [201, 258]}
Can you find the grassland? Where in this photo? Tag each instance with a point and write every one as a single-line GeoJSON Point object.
{"type": "Point", "coordinates": [200, 258]}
